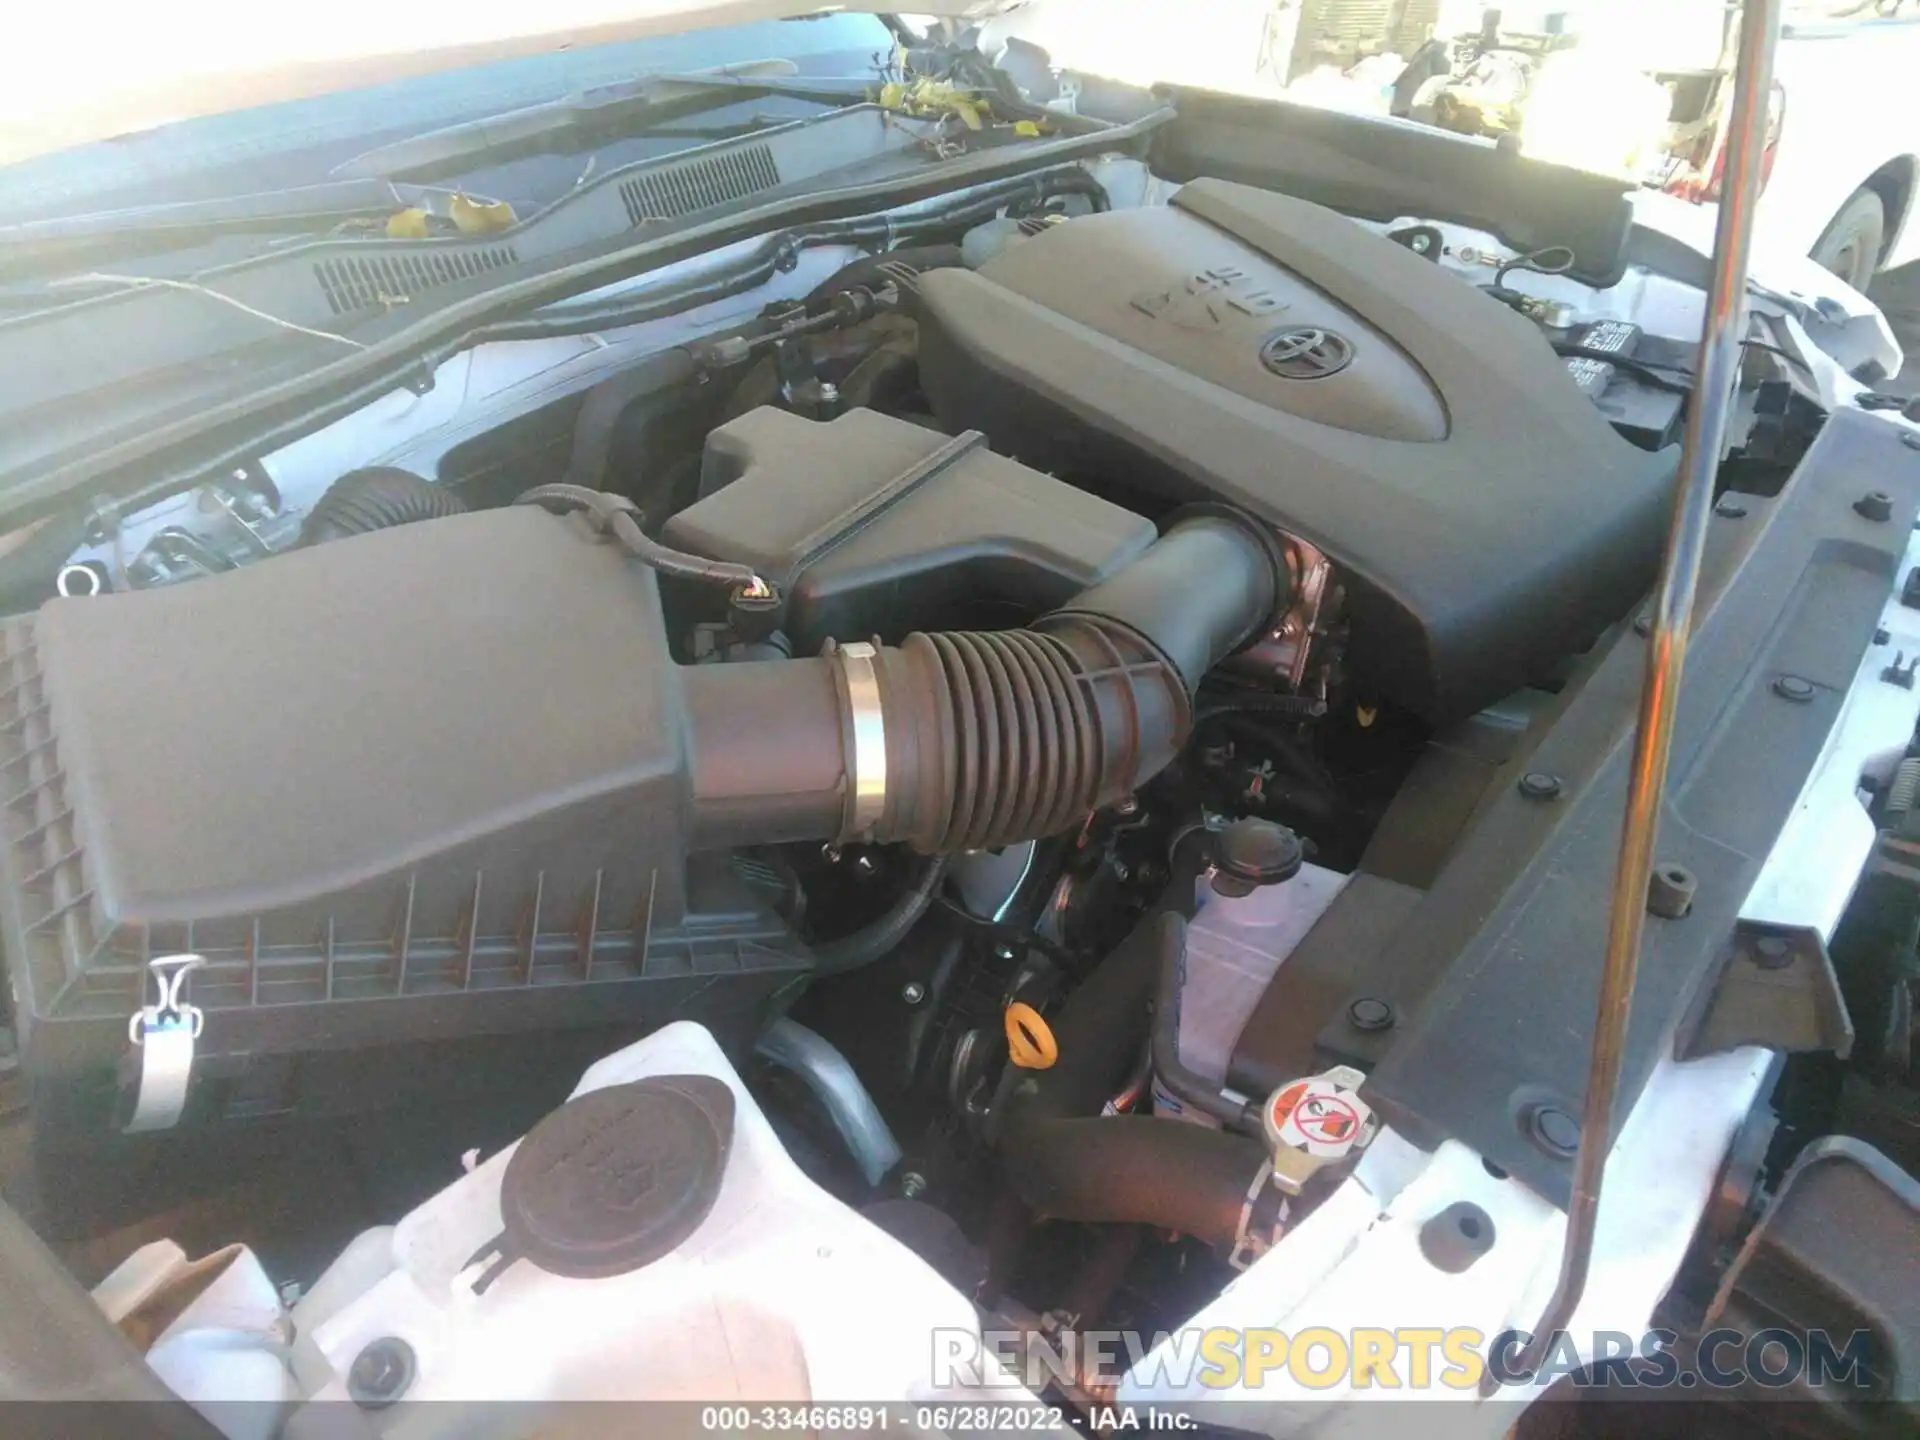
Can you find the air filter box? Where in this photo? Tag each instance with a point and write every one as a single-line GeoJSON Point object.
{"type": "Point", "coordinates": [417, 799]}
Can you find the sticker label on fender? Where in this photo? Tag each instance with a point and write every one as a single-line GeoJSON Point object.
{"type": "Point", "coordinates": [1320, 1115]}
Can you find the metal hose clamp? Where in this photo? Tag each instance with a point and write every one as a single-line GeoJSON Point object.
{"type": "Point", "coordinates": [868, 798]}
{"type": "Point", "coordinates": [163, 1033]}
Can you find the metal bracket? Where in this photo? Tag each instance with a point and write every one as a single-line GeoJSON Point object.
{"type": "Point", "coordinates": [1776, 988]}
{"type": "Point", "coordinates": [1263, 1218]}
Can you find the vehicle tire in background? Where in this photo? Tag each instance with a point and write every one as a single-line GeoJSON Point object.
{"type": "Point", "coordinates": [1851, 246]}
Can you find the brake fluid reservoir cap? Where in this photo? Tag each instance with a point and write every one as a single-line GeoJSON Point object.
{"type": "Point", "coordinates": [1251, 852]}
{"type": "Point", "coordinates": [618, 1177]}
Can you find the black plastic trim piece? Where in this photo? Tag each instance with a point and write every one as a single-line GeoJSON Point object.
{"type": "Point", "coordinates": [1518, 918]}
{"type": "Point", "coordinates": [58, 1349]}
{"type": "Point", "coordinates": [1386, 169]}
{"type": "Point", "coordinates": [1838, 1248]}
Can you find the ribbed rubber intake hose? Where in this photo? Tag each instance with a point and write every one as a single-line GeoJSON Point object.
{"type": "Point", "coordinates": [972, 740]}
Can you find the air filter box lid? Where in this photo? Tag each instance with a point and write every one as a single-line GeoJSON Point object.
{"type": "Point", "coordinates": [877, 526]}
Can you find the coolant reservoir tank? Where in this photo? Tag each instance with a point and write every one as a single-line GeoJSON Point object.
{"type": "Point", "coordinates": [740, 1280]}
{"type": "Point", "coordinates": [1254, 906]}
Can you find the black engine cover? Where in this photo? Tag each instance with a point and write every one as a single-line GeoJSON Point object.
{"type": "Point", "coordinates": [1254, 348]}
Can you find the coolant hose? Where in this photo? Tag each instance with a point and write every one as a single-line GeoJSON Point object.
{"type": "Point", "coordinates": [826, 1072]}
{"type": "Point", "coordinates": [1069, 1162]}
{"type": "Point", "coordinates": [971, 740]}
{"type": "Point", "coordinates": [1139, 1169]}
{"type": "Point", "coordinates": [377, 497]}
{"type": "Point", "coordinates": [1169, 938]}
{"type": "Point", "coordinates": [878, 938]}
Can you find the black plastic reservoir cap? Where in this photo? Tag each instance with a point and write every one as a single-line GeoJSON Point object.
{"type": "Point", "coordinates": [616, 1178]}
{"type": "Point", "coordinates": [1251, 852]}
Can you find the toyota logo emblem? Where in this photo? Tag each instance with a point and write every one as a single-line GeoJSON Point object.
{"type": "Point", "coordinates": [1306, 353]}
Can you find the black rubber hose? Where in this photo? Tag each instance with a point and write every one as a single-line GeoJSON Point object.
{"type": "Point", "coordinates": [1068, 1161]}
{"type": "Point", "coordinates": [1007, 735]}
{"type": "Point", "coordinates": [1169, 933]}
{"type": "Point", "coordinates": [870, 272]}
{"type": "Point", "coordinates": [1284, 707]}
{"type": "Point", "coordinates": [614, 514]}
{"type": "Point", "coordinates": [877, 939]}
{"type": "Point", "coordinates": [1134, 1169]}
{"type": "Point", "coordinates": [988, 738]}
{"type": "Point", "coordinates": [376, 498]}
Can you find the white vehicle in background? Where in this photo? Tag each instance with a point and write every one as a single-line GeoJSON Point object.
{"type": "Point", "coordinates": [1844, 170]}
{"type": "Point", "coordinates": [1633, 86]}
{"type": "Point", "coordinates": [1643, 87]}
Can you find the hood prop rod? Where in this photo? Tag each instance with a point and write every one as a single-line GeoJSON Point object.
{"type": "Point", "coordinates": [1672, 620]}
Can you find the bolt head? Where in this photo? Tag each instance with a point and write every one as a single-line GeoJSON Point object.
{"type": "Point", "coordinates": [1643, 625]}
{"type": "Point", "coordinates": [1794, 688]}
{"type": "Point", "coordinates": [1910, 439]}
{"type": "Point", "coordinates": [913, 1184]}
{"type": "Point", "coordinates": [1554, 1131]}
{"type": "Point", "coordinates": [1370, 1014]}
{"type": "Point", "coordinates": [381, 1373]}
{"type": "Point", "coordinates": [1539, 785]}
{"type": "Point", "coordinates": [913, 992]}
{"type": "Point", "coordinates": [1729, 508]}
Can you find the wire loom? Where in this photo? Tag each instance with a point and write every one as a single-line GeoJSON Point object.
{"type": "Point", "coordinates": [618, 517]}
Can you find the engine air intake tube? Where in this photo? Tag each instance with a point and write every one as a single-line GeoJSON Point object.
{"type": "Point", "coordinates": [972, 740]}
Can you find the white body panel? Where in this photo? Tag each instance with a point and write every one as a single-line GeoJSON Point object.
{"type": "Point", "coordinates": [1850, 112]}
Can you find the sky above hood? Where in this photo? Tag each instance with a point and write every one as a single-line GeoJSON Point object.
{"type": "Point", "coordinates": [74, 71]}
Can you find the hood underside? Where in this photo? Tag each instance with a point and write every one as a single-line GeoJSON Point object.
{"type": "Point", "coordinates": [62, 84]}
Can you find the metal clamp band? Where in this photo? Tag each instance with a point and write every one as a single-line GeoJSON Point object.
{"type": "Point", "coordinates": [164, 1033]}
{"type": "Point", "coordinates": [868, 800]}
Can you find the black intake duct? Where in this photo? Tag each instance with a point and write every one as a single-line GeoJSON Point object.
{"type": "Point", "coordinates": [497, 798]}
{"type": "Point", "coordinates": [972, 740]}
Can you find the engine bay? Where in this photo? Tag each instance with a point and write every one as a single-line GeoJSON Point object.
{"type": "Point", "coordinates": [533, 801]}
{"type": "Point", "coordinates": [957, 676]}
